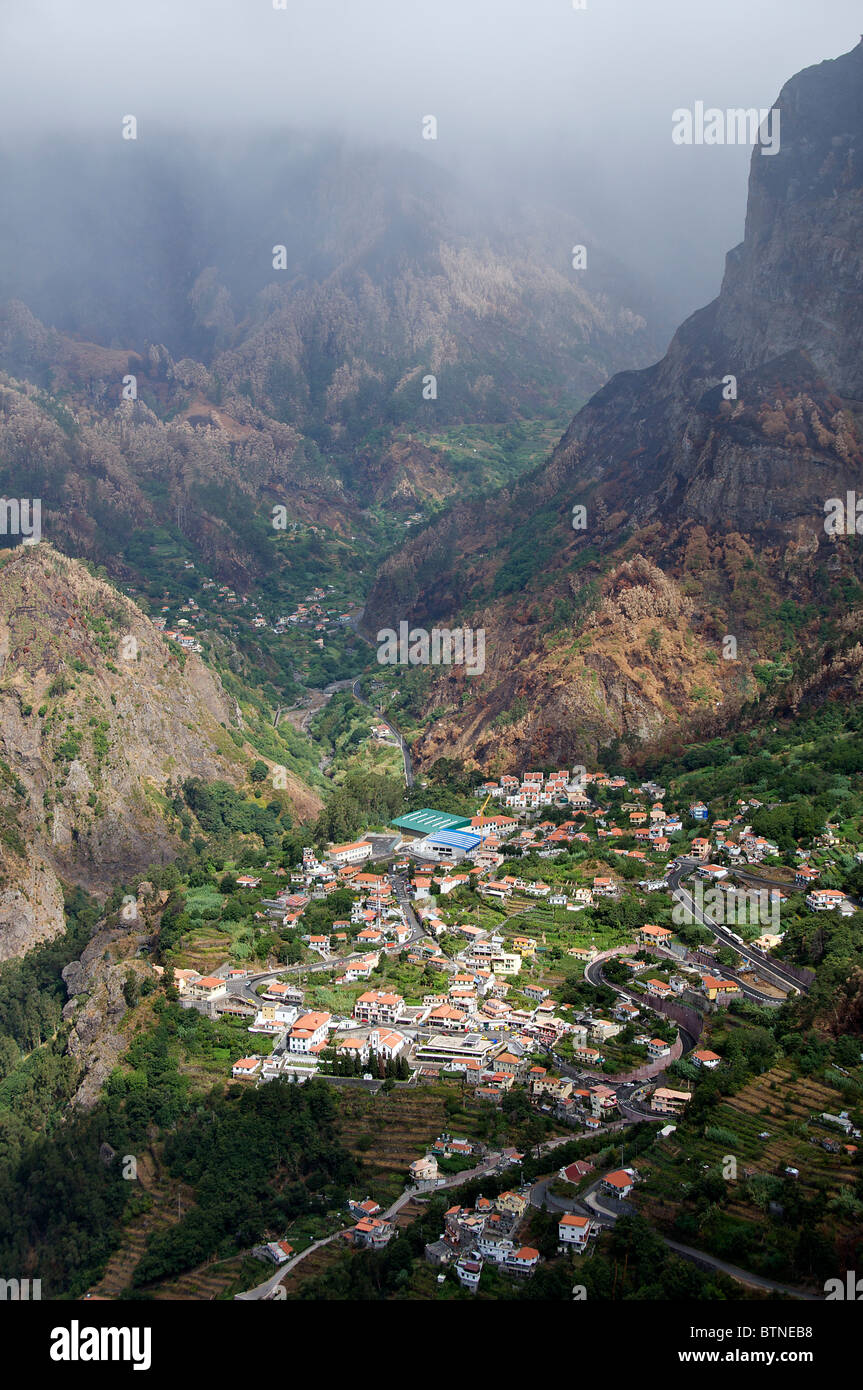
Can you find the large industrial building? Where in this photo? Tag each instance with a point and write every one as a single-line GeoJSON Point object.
{"type": "Point", "coordinates": [447, 846]}
{"type": "Point", "coordinates": [438, 835]}
{"type": "Point", "coordinates": [416, 825]}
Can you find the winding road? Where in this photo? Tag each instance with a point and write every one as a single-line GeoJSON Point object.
{"type": "Point", "coordinates": [607, 1212]}
{"type": "Point", "coordinates": [591, 1203]}
{"type": "Point", "coordinates": [771, 970]}
{"type": "Point", "coordinates": [268, 1288]}
{"type": "Point", "coordinates": [358, 695]}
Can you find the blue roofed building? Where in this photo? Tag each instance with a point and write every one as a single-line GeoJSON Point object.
{"type": "Point", "coordinates": [448, 846]}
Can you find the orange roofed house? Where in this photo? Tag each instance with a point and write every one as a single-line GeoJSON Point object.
{"type": "Point", "coordinates": [619, 1183]}
{"type": "Point", "coordinates": [573, 1231]}
{"type": "Point", "coordinates": [309, 1033]}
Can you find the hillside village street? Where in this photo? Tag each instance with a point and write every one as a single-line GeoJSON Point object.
{"type": "Point", "coordinates": [450, 956]}
{"type": "Point", "coordinates": [490, 1165]}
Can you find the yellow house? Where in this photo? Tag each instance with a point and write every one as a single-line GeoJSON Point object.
{"type": "Point", "coordinates": [715, 988]}
{"type": "Point", "coordinates": [424, 1169]}
{"type": "Point", "coordinates": [525, 944]}
{"type": "Point", "coordinates": [667, 1102]}
{"type": "Point", "coordinates": [511, 1202]}
{"type": "Point", "coordinates": [585, 953]}
{"type": "Point", "coordinates": [505, 963]}
{"type": "Point", "coordinates": [559, 1087]}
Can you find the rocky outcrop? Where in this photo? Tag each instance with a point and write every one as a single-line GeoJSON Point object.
{"type": "Point", "coordinates": [714, 465]}
{"type": "Point", "coordinates": [97, 716]}
{"type": "Point", "coordinates": [31, 905]}
{"type": "Point", "coordinates": [98, 985]}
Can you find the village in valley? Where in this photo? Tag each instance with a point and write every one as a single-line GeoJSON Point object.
{"type": "Point", "coordinates": [564, 959]}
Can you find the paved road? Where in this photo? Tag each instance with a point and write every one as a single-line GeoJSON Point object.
{"type": "Point", "coordinates": [267, 1289]}
{"type": "Point", "coordinates": [607, 1212]}
{"type": "Point", "coordinates": [777, 974]}
{"type": "Point", "coordinates": [594, 976]}
{"type": "Point", "coordinates": [404, 902]}
{"type": "Point", "coordinates": [409, 773]}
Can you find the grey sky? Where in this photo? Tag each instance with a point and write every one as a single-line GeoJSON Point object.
{"type": "Point", "coordinates": [483, 65]}
{"type": "Point", "coordinates": [515, 84]}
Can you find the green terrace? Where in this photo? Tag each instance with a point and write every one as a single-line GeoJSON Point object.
{"type": "Point", "coordinates": [721, 1180]}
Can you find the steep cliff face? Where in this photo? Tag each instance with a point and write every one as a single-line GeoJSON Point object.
{"type": "Point", "coordinates": [720, 484]}
{"type": "Point", "coordinates": [96, 717]}
{"type": "Point", "coordinates": [796, 282]}
{"type": "Point", "coordinates": [97, 984]}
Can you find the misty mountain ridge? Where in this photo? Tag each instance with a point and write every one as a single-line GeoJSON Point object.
{"type": "Point", "coordinates": [705, 513]}
{"type": "Point", "coordinates": [391, 263]}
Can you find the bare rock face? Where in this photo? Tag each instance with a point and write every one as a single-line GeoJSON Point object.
{"type": "Point", "coordinates": [796, 282]}
{"type": "Point", "coordinates": [31, 908]}
{"type": "Point", "coordinates": [96, 717]}
{"type": "Point", "coordinates": [97, 1004]}
{"type": "Point", "coordinates": [714, 466]}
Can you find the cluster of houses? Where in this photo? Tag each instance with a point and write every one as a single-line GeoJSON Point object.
{"type": "Point", "coordinates": [470, 1027]}
{"type": "Point", "coordinates": [308, 614]}
{"type": "Point", "coordinates": [733, 842]}
{"type": "Point", "coordinates": [534, 789]}
{"type": "Point", "coordinates": [486, 1233]}
{"type": "Point", "coordinates": [180, 634]}
{"type": "Point", "coordinates": [730, 841]}
{"type": "Point", "coordinates": [311, 614]}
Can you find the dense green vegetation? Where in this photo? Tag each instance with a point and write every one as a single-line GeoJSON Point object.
{"type": "Point", "coordinates": [255, 1160]}
{"type": "Point", "coordinates": [363, 800]}
{"type": "Point", "coordinates": [35, 1075]}
{"type": "Point", "coordinates": [219, 809]}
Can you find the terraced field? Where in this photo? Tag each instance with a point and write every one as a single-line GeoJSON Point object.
{"type": "Point", "coordinates": [784, 1107]}
{"type": "Point", "coordinates": [165, 1198]}
{"type": "Point", "coordinates": [212, 1281]}
{"type": "Point", "coordinates": [317, 1263]}
{"type": "Point", "coordinates": [386, 1133]}
{"type": "Point", "coordinates": [204, 948]}
{"type": "Point", "coordinates": [786, 1110]}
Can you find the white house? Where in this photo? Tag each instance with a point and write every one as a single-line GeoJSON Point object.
{"type": "Point", "coordinates": [246, 1068]}
{"type": "Point", "coordinates": [309, 1033]}
{"type": "Point", "coordinates": [824, 899]}
{"type": "Point", "coordinates": [385, 1042]}
{"type": "Point", "coordinates": [619, 1183]}
{"type": "Point", "coordinates": [704, 1058]}
{"type": "Point", "coordinates": [354, 853]}
{"type": "Point", "coordinates": [573, 1231]}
